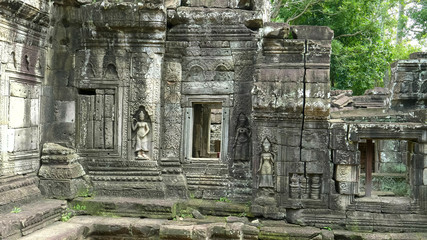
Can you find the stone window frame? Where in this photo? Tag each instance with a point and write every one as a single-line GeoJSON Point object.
{"type": "Point", "coordinates": [189, 120]}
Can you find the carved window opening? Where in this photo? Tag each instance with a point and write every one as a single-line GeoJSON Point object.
{"type": "Point", "coordinates": [384, 166]}
{"type": "Point", "coordinates": [97, 119]}
{"type": "Point", "coordinates": [205, 134]}
{"type": "Point", "coordinates": [207, 124]}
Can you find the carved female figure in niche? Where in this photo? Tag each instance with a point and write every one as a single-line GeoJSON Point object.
{"type": "Point", "coordinates": [141, 127]}
{"type": "Point", "coordinates": [242, 141]}
{"type": "Point", "coordinates": [266, 167]}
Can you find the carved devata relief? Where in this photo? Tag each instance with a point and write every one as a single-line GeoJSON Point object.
{"type": "Point", "coordinates": [242, 141]}
{"type": "Point", "coordinates": [141, 127]}
{"type": "Point", "coordinates": [266, 166]}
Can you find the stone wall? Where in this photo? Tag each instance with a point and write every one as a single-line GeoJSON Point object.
{"type": "Point", "coordinates": [290, 99]}
{"type": "Point", "coordinates": [23, 29]}
{"type": "Point", "coordinates": [121, 96]}
{"type": "Point", "coordinates": [209, 59]}
{"type": "Point", "coordinates": [391, 141]}
{"type": "Point", "coordinates": [408, 84]}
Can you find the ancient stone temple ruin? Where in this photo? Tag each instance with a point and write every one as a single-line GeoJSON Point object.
{"type": "Point", "coordinates": [150, 108]}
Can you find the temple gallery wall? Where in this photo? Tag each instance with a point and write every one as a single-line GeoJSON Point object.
{"type": "Point", "coordinates": [205, 100]}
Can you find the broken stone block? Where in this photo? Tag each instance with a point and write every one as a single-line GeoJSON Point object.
{"type": "Point", "coordinates": [337, 92]}
{"type": "Point", "coordinates": [312, 32]}
{"type": "Point", "coordinates": [341, 101]}
{"type": "Point", "coordinates": [197, 214]}
{"type": "Point", "coordinates": [418, 55]}
{"type": "Point", "coordinates": [172, 3]}
{"type": "Point", "coordinates": [176, 232]}
{"type": "Point", "coordinates": [377, 91]}
{"type": "Point", "coordinates": [276, 30]}
{"type": "Point", "coordinates": [232, 219]}
{"type": "Point", "coordinates": [206, 3]}
{"type": "Point", "coordinates": [61, 175]}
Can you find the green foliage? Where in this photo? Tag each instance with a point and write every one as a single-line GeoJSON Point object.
{"type": "Point", "coordinates": [16, 210]}
{"type": "Point", "coordinates": [79, 207]}
{"type": "Point", "coordinates": [327, 228]}
{"type": "Point", "coordinates": [243, 214]}
{"type": "Point", "coordinates": [185, 213]}
{"type": "Point", "coordinates": [67, 215]}
{"type": "Point", "coordinates": [418, 13]}
{"type": "Point", "coordinates": [224, 199]}
{"type": "Point", "coordinates": [86, 192]}
{"type": "Point", "coordinates": [363, 47]}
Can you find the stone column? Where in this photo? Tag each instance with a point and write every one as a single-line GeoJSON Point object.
{"type": "Point", "coordinates": [422, 162]}
{"type": "Point", "coordinates": [346, 160]}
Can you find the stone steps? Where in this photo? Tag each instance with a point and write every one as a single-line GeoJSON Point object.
{"type": "Point", "coordinates": [59, 231]}
{"type": "Point", "coordinates": [138, 179]}
{"type": "Point", "coordinates": [18, 190]}
{"type": "Point", "coordinates": [30, 217]}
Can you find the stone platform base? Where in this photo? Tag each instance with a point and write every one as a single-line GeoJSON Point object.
{"type": "Point", "coordinates": [90, 227]}
{"type": "Point", "coordinates": [125, 207]}
{"type": "Point", "coordinates": [155, 208]}
{"type": "Point", "coordinates": [29, 218]}
{"type": "Point", "coordinates": [359, 221]}
{"type": "Point", "coordinates": [18, 190]}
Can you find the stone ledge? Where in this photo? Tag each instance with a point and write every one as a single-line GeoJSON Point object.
{"type": "Point", "coordinates": [59, 230]}
{"type": "Point", "coordinates": [127, 207]}
{"type": "Point", "coordinates": [30, 217]}
{"type": "Point", "coordinates": [359, 221]}
{"type": "Point", "coordinates": [155, 208]}
{"type": "Point", "coordinates": [32, 11]}
{"type": "Point", "coordinates": [18, 190]}
{"type": "Point", "coordinates": [220, 16]}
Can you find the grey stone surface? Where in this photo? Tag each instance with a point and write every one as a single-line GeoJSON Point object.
{"type": "Point", "coordinates": [27, 218]}
{"type": "Point", "coordinates": [197, 214]}
{"type": "Point", "coordinates": [75, 77]}
{"type": "Point", "coordinates": [61, 175]}
{"type": "Point", "coordinates": [82, 227]}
